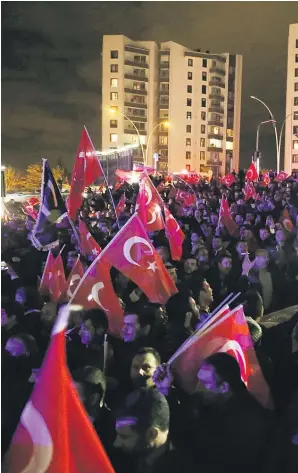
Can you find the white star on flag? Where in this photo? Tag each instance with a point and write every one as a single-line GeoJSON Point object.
{"type": "Point", "coordinates": [94, 251]}
{"type": "Point", "coordinates": [152, 266]}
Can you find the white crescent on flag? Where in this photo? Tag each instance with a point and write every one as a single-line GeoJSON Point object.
{"type": "Point", "coordinates": [95, 296]}
{"type": "Point", "coordinates": [128, 246]}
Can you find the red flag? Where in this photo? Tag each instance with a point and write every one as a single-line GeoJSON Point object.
{"type": "Point", "coordinates": [249, 191]}
{"type": "Point", "coordinates": [57, 282]}
{"type": "Point", "coordinates": [251, 174]}
{"type": "Point", "coordinates": [188, 198]}
{"type": "Point", "coordinates": [47, 274]}
{"type": "Point", "coordinates": [121, 205]}
{"type": "Point", "coordinates": [148, 205]}
{"type": "Point", "coordinates": [174, 234]}
{"type": "Point", "coordinates": [286, 221]}
{"type": "Point", "coordinates": [89, 246]}
{"type": "Point", "coordinates": [86, 170]}
{"type": "Point", "coordinates": [132, 253]}
{"type": "Point", "coordinates": [228, 179]}
{"type": "Point", "coordinates": [229, 334]}
{"type": "Point", "coordinates": [142, 168]}
{"type": "Point", "coordinates": [131, 177]}
{"type": "Point", "coordinates": [266, 179]}
{"type": "Point", "coordinates": [55, 434]}
{"type": "Point", "coordinates": [73, 280]}
{"type": "Point", "coordinates": [193, 178]}
{"type": "Point", "coordinates": [31, 207]}
{"type": "Point", "coordinates": [281, 176]}
{"type": "Point", "coordinates": [95, 290]}
{"type": "Point", "coordinates": [226, 219]}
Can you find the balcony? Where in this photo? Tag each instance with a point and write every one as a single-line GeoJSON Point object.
{"type": "Point", "coordinates": [132, 131]}
{"type": "Point", "coordinates": [216, 97]}
{"type": "Point", "coordinates": [217, 83]}
{"type": "Point", "coordinates": [141, 65]}
{"type": "Point", "coordinates": [136, 77]}
{"type": "Point", "coordinates": [211, 162]}
{"type": "Point", "coordinates": [160, 146]}
{"type": "Point", "coordinates": [135, 105]}
{"type": "Point", "coordinates": [230, 138]}
{"type": "Point", "coordinates": [216, 109]}
{"type": "Point", "coordinates": [134, 49]}
{"type": "Point", "coordinates": [136, 118]}
{"type": "Point", "coordinates": [135, 91]}
{"type": "Point", "coordinates": [214, 149]}
{"type": "Point", "coordinates": [215, 70]}
{"type": "Point", "coordinates": [164, 65]}
{"type": "Point", "coordinates": [164, 78]}
{"type": "Point", "coordinates": [163, 132]}
{"type": "Point", "coordinates": [216, 137]}
{"type": "Point", "coordinates": [163, 92]}
{"type": "Point", "coordinates": [215, 122]}
{"type": "Point", "coordinates": [164, 106]}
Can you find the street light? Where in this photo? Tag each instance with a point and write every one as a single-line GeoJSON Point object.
{"type": "Point", "coordinates": [166, 124]}
{"type": "Point", "coordinates": [257, 154]}
{"type": "Point", "coordinates": [280, 133]}
{"type": "Point", "coordinates": [275, 131]}
{"type": "Point", "coordinates": [113, 111]}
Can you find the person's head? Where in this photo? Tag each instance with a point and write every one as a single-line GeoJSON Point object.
{"type": "Point", "coordinates": [264, 233]}
{"type": "Point", "coordinates": [249, 217]}
{"type": "Point", "coordinates": [217, 243]}
{"type": "Point", "coordinates": [137, 324]}
{"type": "Point", "coordinates": [28, 297]}
{"type": "Point", "coordinates": [90, 383]}
{"type": "Point", "coordinates": [22, 344]}
{"type": "Point", "coordinates": [142, 425]}
{"type": "Point", "coordinates": [179, 306]}
{"type": "Point", "coordinates": [163, 253]}
{"type": "Point", "coordinates": [48, 314]}
{"type": "Point", "coordinates": [205, 298]}
{"type": "Point", "coordinates": [239, 219]}
{"type": "Point", "coordinates": [262, 259]}
{"type": "Point", "coordinates": [94, 326]}
{"type": "Point", "coordinates": [190, 265]}
{"type": "Point", "coordinates": [214, 218]}
{"type": "Point", "coordinates": [225, 262]}
{"type": "Point", "coordinates": [253, 305]}
{"type": "Point", "coordinates": [280, 237]}
{"type": "Point", "coordinates": [11, 314]}
{"type": "Point", "coordinates": [195, 239]}
{"type": "Point", "coordinates": [202, 256]}
{"type": "Point", "coordinates": [241, 248]}
{"type": "Point", "coordinates": [219, 377]}
{"type": "Point", "coordinates": [143, 366]}
{"type": "Point", "coordinates": [172, 272]}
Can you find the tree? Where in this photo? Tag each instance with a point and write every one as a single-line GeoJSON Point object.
{"type": "Point", "coordinates": [33, 176]}
{"type": "Point", "coordinates": [14, 179]}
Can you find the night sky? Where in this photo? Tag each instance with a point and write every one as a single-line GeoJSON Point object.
{"type": "Point", "coordinates": [51, 65]}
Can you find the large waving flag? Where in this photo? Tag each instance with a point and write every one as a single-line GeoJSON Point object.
{"type": "Point", "coordinates": [251, 173]}
{"type": "Point", "coordinates": [149, 206]}
{"type": "Point", "coordinates": [52, 209]}
{"type": "Point", "coordinates": [229, 333]}
{"type": "Point", "coordinates": [175, 235]}
{"type": "Point", "coordinates": [89, 247]}
{"type": "Point", "coordinates": [73, 280]}
{"type": "Point", "coordinates": [87, 169]}
{"type": "Point", "coordinates": [228, 180]}
{"type": "Point", "coordinates": [55, 434]}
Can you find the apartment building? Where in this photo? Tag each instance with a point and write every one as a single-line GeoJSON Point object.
{"type": "Point", "coordinates": [291, 120]}
{"type": "Point", "coordinates": [186, 104]}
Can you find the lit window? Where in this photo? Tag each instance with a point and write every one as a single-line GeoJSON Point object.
{"type": "Point", "coordinates": [188, 155]}
{"type": "Point", "coordinates": [203, 103]}
{"type": "Point", "coordinates": [204, 91]}
{"type": "Point", "coordinates": [215, 130]}
{"type": "Point", "coordinates": [114, 109]}
{"type": "Point", "coordinates": [229, 145]}
{"type": "Point", "coordinates": [202, 155]}
{"type": "Point", "coordinates": [230, 133]}
{"type": "Point", "coordinates": [114, 54]}
{"type": "Point", "coordinates": [114, 82]}
{"type": "Point", "coordinates": [202, 142]}
{"type": "Point", "coordinates": [188, 115]}
{"type": "Point", "coordinates": [163, 140]}
{"type": "Point", "coordinates": [143, 139]}
{"type": "Point", "coordinates": [190, 62]}
{"type": "Point", "coordinates": [188, 128]}
{"type": "Point", "coordinates": [203, 116]}
{"type": "Point", "coordinates": [203, 129]}
{"type": "Point", "coordinates": [187, 167]}
{"type": "Point", "coordinates": [189, 75]}
{"type": "Point", "coordinates": [295, 116]}
{"type": "Point", "coordinates": [188, 102]}
{"type": "Point", "coordinates": [113, 123]}
{"type": "Point", "coordinates": [114, 95]}
{"type": "Point", "coordinates": [188, 142]}
{"type": "Point", "coordinates": [204, 76]}
{"type": "Point", "coordinates": [295, 144]}
{"type": "Point", "coordinates": [113, 137]}
{"type": "Point", "coordinates": [214, 143]}
{"type": "Point", "coordinates": [189, 89]}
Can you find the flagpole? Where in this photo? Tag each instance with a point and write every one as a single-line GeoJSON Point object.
{"type": "Point", "coordinates": [74, 229]}
{"type": "Point", "coordinates": [110, 192]}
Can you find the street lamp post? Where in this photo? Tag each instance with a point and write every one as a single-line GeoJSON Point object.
{"type": "Point", "coordinates": [132, 123]}
{"type": "Point", "coordinates": [166, 123]}
{"type": "Point", "coordinates": [275, 130]}
{"type": "Point", "coordinates": [257, 152]}
{"type": "Point", "coordinates": [281, 131]}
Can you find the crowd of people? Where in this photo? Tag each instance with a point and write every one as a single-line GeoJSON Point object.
{"type": "Point", "coordinates": [146, 423]}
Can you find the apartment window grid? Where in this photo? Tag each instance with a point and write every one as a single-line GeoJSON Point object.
{"type": "Point", "coordinates": [296, 57]}
{"type": "Point", "coordinates": [188, 102]}
{"type": "Point", "coordinates": [203, 116]}
{"type": "Point", "coordinates": [189, 89]}
{"type": "Point", "coordinates": [202, 155]}
{"type": "Point", "coordinates": [295, 116]}
{"type": "Point", "coordinates": [295, 100]}
{"type": "Point", "coordinates": [296, 43]}
{"type": "Point", "coordinates": [188, 128]}
{"type": "Point", "coordinates": [204, 62]}
{"type": "Point", "coordinates": [188, 115]}
{"type": "Point", "coordinates": [114, 82]}
{"type": "Point", "coordinates": [114, 54]}
{"type": "Point", "coordinates": [204, 76]}
{"type": "Point", "coordinates": [296, 71]}
{"type": "Point", "coordinates": [189, 75]}
{"type": "Point", "coordinates": [295, 130]}
{"type": "Point", "coordinates": [138, 86]}
{"type": "Point", "coordinates": [113, 123]}
{"type": "Point", "coordinates": [204, 89]}
{"type": "Point", "coordinates": [113, 137]}
{"type": "Point", "coordinates": [188, 142]}
{"type": "Point", "coordinates": [296, 87]}
{"type": "Point", "coordinates": [188, 155]}
{"type": "Point", "coordinates": [114, 96]}
{"type": "Point", "coordinates": [114, 68]}
{"type": "Point", "coordinates": [295, 158]}
{"type": "Point", "coordinates": [190, 62]}
{"type": "Point", "coordinates": [203, 103]}
{"type": "Point", "coordinates": [203, 129]}
{"type": "Point", "coordinates": [295, 144]}
{"type": "Point", "coordinates": [202, 143]}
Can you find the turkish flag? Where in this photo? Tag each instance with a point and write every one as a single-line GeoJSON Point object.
{"type": "Point", "coordinates": [121, 205]}
{"type": "Point", "coordinates": [188, 198]}
{"type": "Point", "coordinates": [131, 177]}
{"type": "Point", "coordinates": [148, 206]}
{"type": "Point", "coordinates": [226, 219]}
{"type": "Point", "coordinates": [228, 180]}
{"type": "Point", "coordinates": [47, 274]}
{"type": "Point", "coordinates": [266, 179]}
{"type": "Point", "coordinates": [132, 253]}
{"type": "Point", "coordinates": [55, 433]}
{"type": "Point", "coordinates": [142, 168]}
{"type": "Point", "coordinates": [249, 191]}
{"type": "Point", "coordinates": [286, 220]}
{"type": "Point", "coordinates": [251, 173]}
{"type": "Point", "coordinates": [57, 282]}
{"type": "Point", "coordinates": [89, 247]}
{"type": "Point", "coordinates": [87, 169]}
{"type": "Point", "coordinates": [193, 178]}
{"type": "Point", "coordinates": [95, 290]}
{"type": "Point", "coordinates": [229, 334]}
{"type": "Point", "coordinates": [281, 176]}
{"type": "Point", "coordinates": [73, 280]}
{"type": "Point", "coordinates": [174, 234]}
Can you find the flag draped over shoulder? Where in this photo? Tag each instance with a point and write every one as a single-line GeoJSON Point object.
{"type": "Point", "coordinates": [52, 209]}
{"type": "Point", "coordinates": [55, 434]}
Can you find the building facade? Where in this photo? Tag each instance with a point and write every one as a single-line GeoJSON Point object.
{"type": "Point", "coordinates": [185, 104]}
{"type": "Point", "coordinates": [291, 120]}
